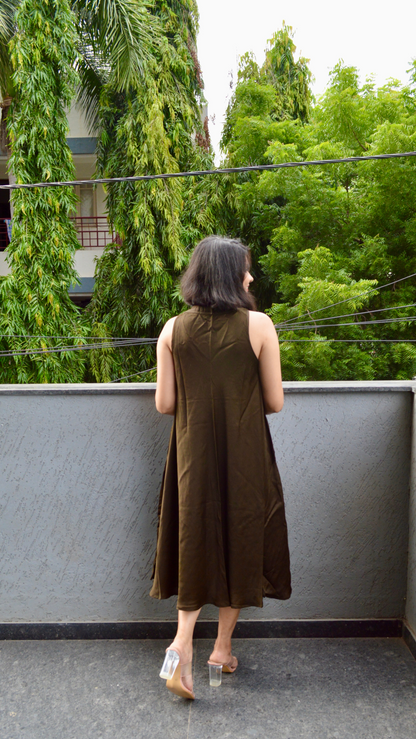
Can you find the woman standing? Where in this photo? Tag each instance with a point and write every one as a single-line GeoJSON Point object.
{"type": "Point", "coordinates": [222, 535]}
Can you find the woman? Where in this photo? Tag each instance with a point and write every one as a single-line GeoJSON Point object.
{"type": "Point", "coordinates": [222, 536]}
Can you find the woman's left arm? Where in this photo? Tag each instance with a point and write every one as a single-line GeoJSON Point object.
{"type": "Point", "coordinates": [166, 384]}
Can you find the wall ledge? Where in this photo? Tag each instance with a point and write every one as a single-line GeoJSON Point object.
{"type": "Point", "coordinates": [123, 388]}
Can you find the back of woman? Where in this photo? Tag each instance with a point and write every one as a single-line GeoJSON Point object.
{"type": "Point", "coordinates": [231, 525]}
{"type": "Point", "coordinates": [222, 535]}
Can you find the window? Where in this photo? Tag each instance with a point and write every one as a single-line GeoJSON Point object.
{"type": "Point", "coordinates": [87, 206]}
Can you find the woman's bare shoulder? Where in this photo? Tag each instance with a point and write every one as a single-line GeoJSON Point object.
{"type": "Point", "coordinates": [165, 335]}
{"type": "Point", "coordinates": [260, 321]}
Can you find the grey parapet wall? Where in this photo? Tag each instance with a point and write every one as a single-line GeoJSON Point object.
{"type": "Point", "coordinates": [411, 578]}
{"type": "Point", "coordinates": [80, 472]}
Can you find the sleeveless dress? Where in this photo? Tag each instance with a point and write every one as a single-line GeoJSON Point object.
{"type": "Point", "coordinates": [222, 534]}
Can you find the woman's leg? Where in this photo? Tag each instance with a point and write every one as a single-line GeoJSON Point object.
{"type": "Point", "coordinates": [226, 624]}
{"type": "Point", "coordinates": [183, 640]}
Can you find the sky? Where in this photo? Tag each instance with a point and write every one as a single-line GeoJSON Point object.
{"type": "Point", "coordinates": [378, 38]}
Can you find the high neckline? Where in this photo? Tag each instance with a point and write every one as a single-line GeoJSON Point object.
{"type": "Point", "coordinates": [202, 309]}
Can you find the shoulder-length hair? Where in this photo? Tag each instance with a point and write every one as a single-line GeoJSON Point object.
{"type": "Point", "coordinates": [214, 277]}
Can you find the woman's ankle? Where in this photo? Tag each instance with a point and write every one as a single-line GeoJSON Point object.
{"type": "Point", "coordinates": [184, 647]}
{"type": "Point", "coordinates": [221, 654]}
{"type": "Point", "coordinates": [222, 645]}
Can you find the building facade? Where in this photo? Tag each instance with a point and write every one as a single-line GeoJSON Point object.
{"type": "Point", "coordinates": [90, 219]}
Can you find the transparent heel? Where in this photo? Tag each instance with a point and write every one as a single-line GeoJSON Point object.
{"type": "Point", "coordinates": [215, 675]}
{"type": "Point", "coordinates": [170, 664]}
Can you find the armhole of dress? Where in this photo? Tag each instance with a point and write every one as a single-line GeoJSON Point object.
{"type": "Point", "coordinates": [174, 334]}
{"type": "Point", "coordinates": [247, 323]}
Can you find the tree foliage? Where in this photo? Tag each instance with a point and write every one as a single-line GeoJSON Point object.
{"type": "Point", "coordinates": [34, 296]}
{"type": "Point", "coordinates": [152, 128]}
{"type": "Point", "coordinates": [266, 101]}
{"type": "Point", "coordinates": [327, 234]}
{"type": "Point", "coordinates": [324, 239]}
{"type": "Point", "coordinates": [115, 39]}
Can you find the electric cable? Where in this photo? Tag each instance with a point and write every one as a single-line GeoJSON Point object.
{"type": "Point", "coordinates": [120, 342]}
{"type": "Point", "coordinates": [63, 349]}
{"type": "Point", "coordinates": [286, 325]}
{"type": "Point", "coordinates": [350, 323]}
{"type": "Point", "coordinates": [351, 341]}
{"type": "Point", "coordinates": [56, 336]}
{"type": "Point", "coordinates": [281, 327]}
{"type": "Point", "coordinates": [204, 172]}
{"type": "Point", "coordinates": [347, 300]}
{"type": "Point", "coordinates": [314, 321]}
{"type": "Point", "coordinates": [57, 350]}
{"type": "Point", "coordinates": [134, 375]}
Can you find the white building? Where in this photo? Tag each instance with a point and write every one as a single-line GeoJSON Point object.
{"type": "Point", "coordinates": [90, 220]}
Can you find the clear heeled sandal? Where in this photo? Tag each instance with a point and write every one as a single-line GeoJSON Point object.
{"type": "Point", "coordinates": [215, 675]}
{"type": "Point", "coordinates": [215, 672]}
{"type": "Point", "coordinates": [172, 671]}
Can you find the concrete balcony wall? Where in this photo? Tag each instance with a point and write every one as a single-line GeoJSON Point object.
{"type": "Point", "coordinates": [85, 261]}
{"type": "Point", "coordinates": [4, 267]}
{"type": "Point", "coordinates": [80, 471]}
{"type": "Point", "coordinates": [411, 580]}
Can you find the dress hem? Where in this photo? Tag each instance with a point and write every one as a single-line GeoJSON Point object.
{"type": "Point", "coordinates": [196, 607]}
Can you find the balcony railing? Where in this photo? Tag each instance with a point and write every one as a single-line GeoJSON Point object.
{"type": "Point", "coordinates": [93, 232]}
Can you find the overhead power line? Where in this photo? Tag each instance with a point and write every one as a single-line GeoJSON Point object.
{"type": "Point", "coordinates": [351, 341]}
{"type": "Point", "coordinates": [346, 300]}
{"type": "Point", "coordinates": [204, 172]}
{"type": "Point", "coordinates": [106, 341]}
{"type": "Point", "coordinates": [79, 337]}
{"type": "Point", "coordinates": [351, 323]}
{"type": "Point", "coordinates": [115, 342]}
{"type": "Point", "coordinates": [312, 323]}
{"type": "Point", "coordinates": [133, 375]}
{"type": "Point", "coordinates": [76, 348]}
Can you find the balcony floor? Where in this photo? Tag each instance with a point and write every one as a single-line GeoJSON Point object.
{"type": "Point", "coordinates": [283, 688]}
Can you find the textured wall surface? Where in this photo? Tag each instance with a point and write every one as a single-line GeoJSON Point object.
{"type": "Point", "coordinates": [80, 471]}
{"type": "Point", "coordinates": [411, 576]}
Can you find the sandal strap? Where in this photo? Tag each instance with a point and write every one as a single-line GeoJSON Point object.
{"type": "Point", "coordinates": [186, 669]}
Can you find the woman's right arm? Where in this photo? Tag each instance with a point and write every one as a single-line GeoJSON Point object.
{"type": "Point", "coordinates": [269, 363]}
{"type": "Point", "coordinates": [165, 397]}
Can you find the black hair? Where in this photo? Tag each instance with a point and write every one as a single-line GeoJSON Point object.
{"type": "Point", "coordinates": [214, 277]}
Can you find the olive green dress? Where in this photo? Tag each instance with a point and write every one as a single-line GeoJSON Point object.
{"type": "Point", "coordinates": [222, 535]}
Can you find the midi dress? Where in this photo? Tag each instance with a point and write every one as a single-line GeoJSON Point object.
{"type": "Point", "coordinates": [222, 533]}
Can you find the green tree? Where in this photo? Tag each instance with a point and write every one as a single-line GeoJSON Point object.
{"type": "Point", "coordinates": [269, 104]}
{"type": "Point", "coordinates": [362, 215]}
{"type": "Point", "coordinates": [114, 41]}
{"type": "Point", "coordinates": [319, 235]}
{"type": "Point", "coordinates": [154, 127]}
{"type": "Point", "coordinates": [34, 296]}
{"type": "Point", "coordinates": [291, 79]}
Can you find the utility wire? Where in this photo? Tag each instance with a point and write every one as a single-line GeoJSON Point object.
{"type": "Point", "coordinates": [134, 375]}
{"type": "Point", "coordinates": [31, 352]}
{"type": "Point", "coordinates": [79, 337]}
{"type": "Point", "coordinates": [314, 321]}
{"type": "Point", "coordinates": [153, 340]}
{"type": "Point", "coordinates": [62, 349]}
{"type": "Point", "coordinates": [204, 172]}
{"type": "Point", "coordinates": [351, 341]}
{"type": "Point", "coordinates": [350, 323]}
{"type": "Point", "coordinates": [119, 342]}
{"type": "Point", "coordinates": [347, 300]}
